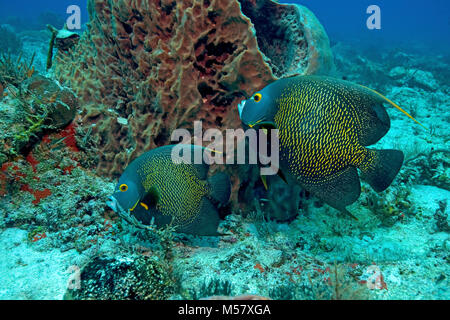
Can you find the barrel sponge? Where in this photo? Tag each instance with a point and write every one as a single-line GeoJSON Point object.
{"type": "Point", "coordinates": [145, 68]}
{"type": "Point", "coordinates": [291, 38]}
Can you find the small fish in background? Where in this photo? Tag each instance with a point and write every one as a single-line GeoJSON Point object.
{"type": "Point", "coordinates": [324, 127]}
{"type": "Point", "coordinates": [154, 189]}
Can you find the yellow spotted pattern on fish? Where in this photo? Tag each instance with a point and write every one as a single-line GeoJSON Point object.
{"type": "Point", "coordinates": [324, 126]}
{"type": "Point", "coordinates": [305, 112]}
{"type": "Point", "coordinates": [179, 187]}
{"type": "Point", "coordinates": [163, 186]}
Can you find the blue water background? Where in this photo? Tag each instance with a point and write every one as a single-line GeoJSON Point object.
{"type": "Point", "coordinates": [407, 22]}
{"type": "Point", "coordinates": [28, 11]}
{"type": "Point", "coordinates": [403, 22]}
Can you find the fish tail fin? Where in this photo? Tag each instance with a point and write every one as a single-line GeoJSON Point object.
{"type": "Point", "coordinates": [380, 167]}
{"type": "Point", "coordinates": [220, 187]}
{"type": "Point", "coordinates": [395, 106]}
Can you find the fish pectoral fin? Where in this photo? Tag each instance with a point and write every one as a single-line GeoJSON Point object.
{"type": "Point", "coordinates": [151, 199]}
{"type": "Point", "coordinates": [268, 125]}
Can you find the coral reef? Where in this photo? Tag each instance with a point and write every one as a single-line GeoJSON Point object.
{"type": "Point", "coordinates": [124, 278]}
{"type": "Point", "coordinates": [215, 287]}
{"type": "Point", "coordinates": [391, 205]}
{"type": "Point", "coordinates": [291, 38]}
{"type": "Point", "coordinates": [14, 70]}
{"type": "Point", "coordinates": [143, 69]}
{"type": "Point", "coordinates": [33, 106]}
{"type": "Point", "coordinates": [432, 167]}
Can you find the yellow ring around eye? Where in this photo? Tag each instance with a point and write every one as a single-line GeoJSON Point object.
{"type": "Point", "coordinates": [123, 187]}
{"type": "Point", "coordinates": [257, 97]}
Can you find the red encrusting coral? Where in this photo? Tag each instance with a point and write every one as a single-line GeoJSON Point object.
{"type": "Point", "coordinates": [38, 194]}
{"type": "Point", "coordinates": [259, 267]}
{"type": "Point", "coordinates": [21, 172]}
{"type": "Point", "coordinates": [68, 134]}
{"type": "Point", "coordinates": [32, 161]}
{"type": "Point", "coordinates": [39, 236]}
{"type": "Point", "coordinates": [41, 194]}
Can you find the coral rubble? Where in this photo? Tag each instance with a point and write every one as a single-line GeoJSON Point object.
{"type": "Point", "coordinates": [34, 104]}
{"type": "Point", "coordinates": [123, 278]}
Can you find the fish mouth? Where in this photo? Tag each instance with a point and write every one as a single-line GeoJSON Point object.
{"type": "Point", "coordinates": [263, 124]}
{"type": "Point", "coordinates": [113, 204]}
{"type": "Point", "coordinates": [116, 207]}
{"type": "Point", "coordinates": [126, 215]}
{"type": "Point", "coordinates": [241, 106]}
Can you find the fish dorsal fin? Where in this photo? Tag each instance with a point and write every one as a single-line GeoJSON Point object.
{"type": "Point", "coordinates": [292, 75]}
{"type": "Point", "coordinates": [394, 105]}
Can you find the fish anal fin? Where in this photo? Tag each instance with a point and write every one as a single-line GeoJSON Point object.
{"type": "Point", "coordinates": [338, 191]}
{"type": "Point", "coordinates": [381, 168]}
{"type": "Point", "coordinates": [206, 223]}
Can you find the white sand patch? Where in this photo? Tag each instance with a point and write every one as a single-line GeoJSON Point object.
{"type": "Point", "coordinates": [428, 197]}
{"type": "Point", "coordinates": [26, 273]}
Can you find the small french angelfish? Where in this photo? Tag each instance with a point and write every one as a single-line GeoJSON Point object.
{"type": "Point", "coordinates": [156, 189]}
{"type": "Point", "coordinates": [324, 125]}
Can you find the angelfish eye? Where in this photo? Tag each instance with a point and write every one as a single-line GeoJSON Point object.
{"type": "Point", "coordinates": [257, 97]}
{"type": "Point", "coordinates": [123, 187]}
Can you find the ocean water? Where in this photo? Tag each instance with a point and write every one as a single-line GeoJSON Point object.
{"type": "Point", "coordinates": [402, 22]}
{"type": "Point", "coordinates": [92, 205]}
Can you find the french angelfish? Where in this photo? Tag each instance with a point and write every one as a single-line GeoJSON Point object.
{"type": "Point", "coordinates": [324, 127]}
{"type": "Point", "coordinates": [156, 189]}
